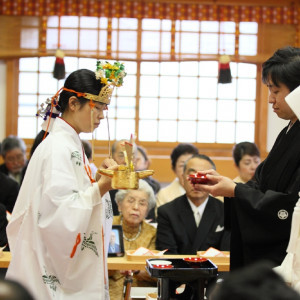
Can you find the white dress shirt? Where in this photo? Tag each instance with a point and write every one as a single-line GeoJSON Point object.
{"type": "Point", "coordinates": [198, 210]}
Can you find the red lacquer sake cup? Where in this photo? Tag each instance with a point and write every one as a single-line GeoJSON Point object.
{"type": "Point", "coordinates": [198, 179]}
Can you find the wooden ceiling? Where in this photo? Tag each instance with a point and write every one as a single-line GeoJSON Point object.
{"type": "Point", "coordinates": [233, 2]}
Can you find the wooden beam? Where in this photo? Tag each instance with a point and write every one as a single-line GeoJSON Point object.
{"type": "Point", "coordinates": [12, 104]}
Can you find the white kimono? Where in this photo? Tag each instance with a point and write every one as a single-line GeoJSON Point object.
{"type": "Point", "coordinates": [59, 223]}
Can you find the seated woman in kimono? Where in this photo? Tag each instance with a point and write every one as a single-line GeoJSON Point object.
{"type": "Point", "coordinates": [260, 211]}
{"type": "Point", "coordinates": [134, 206]}
{"type": "Point", "coordinates": [246, 157]}
{"type": "Point", "coordinates": [59, 229]}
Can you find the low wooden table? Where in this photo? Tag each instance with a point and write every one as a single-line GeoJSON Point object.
{"type": "Point", "coordinates": [122, 263]}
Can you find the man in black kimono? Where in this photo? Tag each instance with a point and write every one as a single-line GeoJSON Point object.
{"type": "Point", "coordinates": [259, 213]}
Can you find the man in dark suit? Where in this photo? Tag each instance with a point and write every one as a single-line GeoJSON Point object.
{"type": "Point", "coordinates": [9, 190]}
{"type": "Point", "coordinates": [178, 229]}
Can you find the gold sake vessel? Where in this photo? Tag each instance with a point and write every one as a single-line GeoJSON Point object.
{"type": "Point", "coordinates": [126, 177]}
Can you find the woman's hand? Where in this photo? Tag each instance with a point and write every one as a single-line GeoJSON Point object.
{"type": "Point", "coordinates": [217, 185]}
{"type": "Point", "coordinates": [104, 182]}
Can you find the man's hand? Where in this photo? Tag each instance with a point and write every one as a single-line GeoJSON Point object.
{"type": "Point", "coordinates": [216, 185]}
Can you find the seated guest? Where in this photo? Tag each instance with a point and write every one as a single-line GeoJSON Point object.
{"type": "Point", "coordinates": [3, 224]}
{"type": "Point", "coordinates": [134, 206]}
{"type": "Point", "coordinates": [88, 152]}
{"type": "Point", "coordinates": [194, 221]}
{"type": "Point", "coordinates": [9, 190]}
{"type": "Point", "coordinates": [254, 282]}
{"type": "Point", "coordinates": [13, 150]}
{"type": "Point", "coordinates": [118, 154]}
{"type": "Point", "coordinates": [3, 238]}
{"type": "Point", "coordinates": [175, 189]}
{"type": "Point", "coordinates": [13, 290]}
{"type": "Point", "coordinates": [143, 163]}
{"type": "Point", "coordinates": [246, 158]}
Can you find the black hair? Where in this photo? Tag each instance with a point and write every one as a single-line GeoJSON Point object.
{"type": "Point", "coordinates": [87, 148]}
{"type": "Point", "coordinates": [283, 67]}
{"type": "Point", "coordinates": [13, 290]}
{"type": "Point", "coordinates": [244, 148]}
{"type": "Point", "coordinates": [83, 81]}
{"type": "Point", "coordinates": [200, 156]}
{"type": "Point", "coordinates": [38, 139]}
{"type": "Point", "coordinates": [257, 281]}
{"type": "Point", "coordinates": [181, 149]}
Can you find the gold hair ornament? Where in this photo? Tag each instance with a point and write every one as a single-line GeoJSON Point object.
{"type": "Point", "coordinates": [111, 75]}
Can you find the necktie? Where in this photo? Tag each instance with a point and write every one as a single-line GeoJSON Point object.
{"type": "Point", "coordinates": [197, 218]}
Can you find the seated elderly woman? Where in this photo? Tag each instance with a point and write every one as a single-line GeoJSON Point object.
{"type": "Point", "coordinates": [134, 206]}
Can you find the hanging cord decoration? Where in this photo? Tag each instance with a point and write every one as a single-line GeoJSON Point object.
{"type": "Point", "coordinates": [224, 69]}
{"type": "Point", "coordinates": [59, 71]}
{"type": "Point", "coordinates": [224, 75]}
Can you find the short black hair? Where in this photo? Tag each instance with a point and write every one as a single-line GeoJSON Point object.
{"type": "Point", "coordinates": [180, 149]}
{"type": "Point", "coordinates": [201, 156]}
{"type": "Point", "coordinates": [244, 148]}
{"type": "Point", "coordinates": [283, 67]}
{"type": "Point", "coordinates": [257, 281]}
{"type": "Point", "coordinates": [13, 290]}
{"type": "Point", "coordinates": [38, 139]}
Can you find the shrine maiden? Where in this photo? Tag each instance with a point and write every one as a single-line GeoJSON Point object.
{"type": "Point", "coordinates": [60, 226]}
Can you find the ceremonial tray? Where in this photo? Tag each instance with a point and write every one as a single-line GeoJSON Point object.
{"type": "Point", "coordinates": [182, 270]}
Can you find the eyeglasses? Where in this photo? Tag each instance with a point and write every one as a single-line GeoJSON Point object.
{"type": "Point", "coordinates": [133, 201]}
{"type": "Point", "coordinates": [17, 158]}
